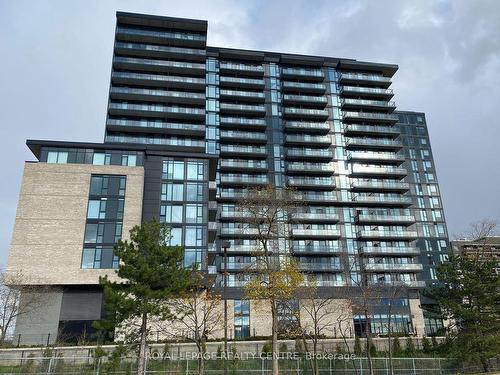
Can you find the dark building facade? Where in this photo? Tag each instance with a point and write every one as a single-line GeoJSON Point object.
{"type": "Point", "coordinates": [201, 125]}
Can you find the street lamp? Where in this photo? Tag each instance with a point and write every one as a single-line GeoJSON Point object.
{"type": "Point", "coordinates": [225, 245]}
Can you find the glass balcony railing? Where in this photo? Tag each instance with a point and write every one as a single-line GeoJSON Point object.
{"type": "Point", "coordinates": [317, 249]}
{"type": "Point", "coordinates": [311, 167]}
{"type": "Point", "coordinates": [309, 152]}
{"type": "Point", "coordinates": [415, 267]}
{"type": "Point", "coordinates": [372, 129]}
{"type": "Point", "coordinates": [381, 156]}
{"type": "Point", "coordinates": [389, 250]}
{"type": "Point", "coordinates": [157, 108]}
{"type": "Point", "coordinates": [315, 197]}
{"type": "Point", "coordinates": [158, 93]}
{"type": "Point", "coordinates": [233, 193]}
{"type": "Point", "coordinates": [184, 142]}
{"type": "Point", "coordinates": [304, 86]}
{"type": "Point", "coordinates": [381, 199]}
{"type": "Point", "coordinates": [405, 283]}
{"type": "Point", "coordinates": [408, 234]}
{"type": "Point", "coordinates": [243, 149]}
{"type": "Point", "coordinates": [238, 231]}
{"type": "Point", "coordinates": [241, 178]}
{"type": "Point", "coordinates": [370, 116]}
{"type": "Point", "coordinates": [313, 126]}
{"type": "Point", "coordinates": [306, 232]}
{"type": "Point", "coordinates": [160, 49]}
{"type": "Point", "coordinates": [238, 266]}
{"type": "Point", "coordinates": [319, 266]}
{"type": "Point", "coordinates": [387, 170]}
{"type": "Point", "coordinates": [156, 124]}
{"type": "Point", "coordinates": [234, 214]}
{"type": "Point", "coordinates": [314, 216]}
{"type": "Point", "coordinates": [380, 184]}
{"type": "Point", "coordinates": [366, 91]}
{"type": "Point", "coordinates": [159, 63]}
{"type": "Point", "coordinates": [243, 121]}
{"type": "Point", "coordinates": [243, 135]}
{"type": "Point", "coordinates": [364, 77]}
{"type": "Point", "coordinates": [305, 98]}
{"type": "Point", "coordinates": [242, 107]}
{"type": "Point", "coordinates": [368, 103]}
{"type": "Point", "coordinates": [161, 34]}
{"type": "Point", "coordinates": [372, 218]}
{"type": "Point", "coordinates": [374, 142]}
{"type": "Point", "coordinates": [318, 181]}
{"type": "Point", "coordinates": [242, 94]}
{"type": "Point", "coordinates": [242, 81]}
{"type": "Point", "coordinates": [306, 112]}
{"type": "Point", "coordinates": [241, 67]}
{"type": "Point", "coordinates": [305, 138]}
{"type": "Point", "coordinates": [244, 164]}
{"type": "Point", "coordinates": [302, 72]}
{"type": "Point", "coordinates": [158, 78]}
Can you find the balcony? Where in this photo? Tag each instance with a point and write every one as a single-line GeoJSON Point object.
{"type": "Point", "coordinates": [309, 153]}
{"type": "Point", "coordinates": [323, 140]}
{"type": "Point", "coordinates": [365, 170]}
{"type": "Point", "coordinates": [291, 112]}
{"type": "Point", "coordinates": [316, 250]}
{"type": "Point", "coordinates": [320, 183]}
{"type": "Point", "coordinates": [241, 136]}
{"type": "Point", "coordinates": [315, 233]}
{"type": "Point", "coordinates": [364, 218]}
{"type": "Point", "coordinates": [417, 284]}
{"type": "Point", "coordinates": [232, 215]}
{"type": "Point", "coordinates": [154, 36]}
{"type": "Point", "coordinates": [238, 266]}
{"type": "Point", "coordinates": [388, 185]}
{"type": "Point", "coordinates": [242, 121]}
{"type": "Point", "coordinates": [162, 66]}
{"type": "Point", "coordinates": [157, 95]}
{"type": "Point", "coordinates": [156, 110]}
{"type": "Point", "coordinates": [319, 267]}
{"type": "Point", "coordinates": [158, 80]}
{"type": "Point", "coordinates": [374, 143]}
{"type": "Point", "coordinates": [392, 250]}
{"type": "Point", "coordinates": [366, 91]}
{"type": "Point", "coordinates": [375, 104]}
{"type": "Point", "coordinates": [310, 127]}
{"type": "Point", "coordinates": [173, 142]}
{"type": "Point", "coordinates": [380, 157]}
{"type": "Point", "coordinates": [313, 217]}
{"type": "Point", "coordinates": [380, 200]}
{"type": "Point", "coordinates": [393, 267]}
{"type": "Point", "coordinates": [254, 96]}
{"type": "Point", "coordinates": [289, 86]}
{"type": "Point", "coordinates": [370, 116]}
{"type": "Point", "coordinates": [246, 69]}
{"type": "Point", "coordinates": [155, 126]}
{"type": "Point", "coordinates": [238, 232]}
{"type": "Point", "coordinates": [241, 82]}
{"type": "Point", "coordinates": [149, 50]}
{"type": "Point", "coordinates": [257, 151]}
{"type": "Point", "coordinates": [242, 179]}
{"type": "Point", "coordinates": [378, 130]}
{"type": "Point", "coordinates": [299, 99]}
{"type": "Point", "coordinates": [232, 194]}
{"type": "Point", "coordinates": [318, 198]}
{"type": "Point", "coordinates": [360, 78]}
{"type": "Point", "coordinates": [229, 164]}
{"type": "Point", "coordinates": [316, 74]}
{"type": "Point", "coordinates": [324, 283]}
{"type": "Point", "coordinates": [238, 108]}
{"type": "Point", "coordinates": [387, 234]}
{"type": "Point", "coordinates": [310, 168]}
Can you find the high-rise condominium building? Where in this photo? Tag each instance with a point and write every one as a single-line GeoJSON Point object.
{"type": "Point", "coordinates": [189, 129]}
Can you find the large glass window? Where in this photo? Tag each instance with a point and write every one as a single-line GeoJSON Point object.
{"type": "Point", "coordinates": [194, 213]}
{"type": "Point", "coordinates": [173, 170]}
{"type": "Point", "coordinates": [101, 158]}
{"type": "Point", "coordinates": [175, 236]}
{"type": "Point", "coordinates": [171, 213]}
{"type": "Point", "coordinates": [195, 191]}
{"type": "Point", "coordinates": [171, 192]}
{"type": "Point", "coordinates": [194, 236]}
{"type": "Point", "coordinates": [99, 258]}
{"type": "Point", "coordinates": [59, 157]}
{"type": "Point", "coordinates": [96, 209]}
{"type": "Point", "coordinates": [195, 170]}
{"type": "Point", "coordinates": [241, 319]}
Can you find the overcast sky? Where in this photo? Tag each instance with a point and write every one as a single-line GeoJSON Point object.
{"type": "Point", "coordinates": [56, 60]}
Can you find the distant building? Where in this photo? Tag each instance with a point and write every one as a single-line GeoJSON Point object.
{"type": "Point", "coordinates": [487, 248]}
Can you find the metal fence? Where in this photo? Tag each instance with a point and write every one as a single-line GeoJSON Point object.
{"type": "Point", "coordinates": [259, 366]}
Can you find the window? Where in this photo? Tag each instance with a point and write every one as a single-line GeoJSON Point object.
{"type": "Point", "coordinates": [194, 236]}
{"type": "Point", "coordinates": [171, 192]}
{"type": "Point", "coordinates": [194, 192]}
{"type": "Point", "coordinates": [99, 258]}
{"type": "Point", "coordinates": [195, 170]}
{"type": "Point", "coordinates": [192, 256]}
{"type": "Point", "coordinates": [173, 170]}
{"type": "Point", "coordinates": [129, 160]}
{"type": "Point", "coordinates": [96, 209]}
{"type": "Point", "coordinates": [241, 319]}
{"type": "Point", "coordinates": [175, 237]}
{"type": "Point", "coordinates": [101, 158]}
{"type": "Point", "coordinates": [171, 213]}
{"type": "Point", "coordinates": [57, 157]}
{"type": "Point", "coordinates": [194, 213]}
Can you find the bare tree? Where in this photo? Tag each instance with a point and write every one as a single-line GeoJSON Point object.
{"type": "Point", "coordinates": [394, 292]}
{"type": "Point", "coordinates": [199, 314]}
{"type": "Point", "coordinates": [275, 277]}
{"type": "Point", "coordinates": [343, 323]}
{"type": "Point", "coordinates": [16, 300]}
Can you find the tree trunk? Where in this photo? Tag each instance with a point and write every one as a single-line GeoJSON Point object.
{"type": "Point", "coordinates": [315, 351]}
{"type": "Point", "coordinates": [389, 337]}
{"type": "Point", "coordinates": [274, 313]}
{"type": "Point", "coordinates": [368, 344]}
{"type": "Point", "coordinates": [201, 359]}
{"type": "Point", "coordinates": [141, 363]}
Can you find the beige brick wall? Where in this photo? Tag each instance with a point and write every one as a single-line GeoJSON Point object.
{"type": "Point", "coordinates": [48, 232]}
{"type": "Point", "coordinates": [417, 316]}
{"type": "Point", "coordinates": [331, 317]}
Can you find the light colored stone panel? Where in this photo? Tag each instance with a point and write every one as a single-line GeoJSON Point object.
{"type": "Point", "coordinates": [417, 316]}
